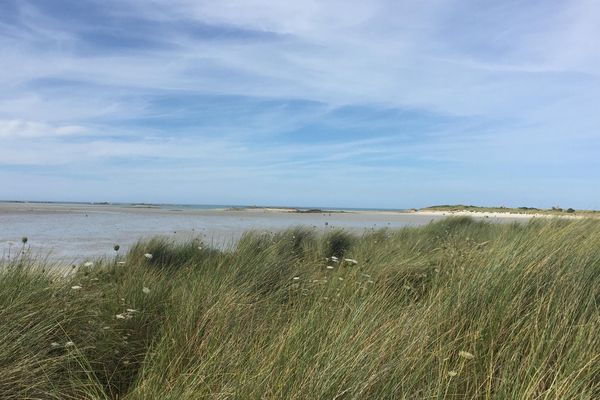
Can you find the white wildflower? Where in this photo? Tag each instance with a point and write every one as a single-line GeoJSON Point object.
{"type": "Point", "coordinates": [120, 262]}
{"type": "Point", "coordinates": [145, 290]}
{"type": "Point", "coordinates": [334, 259]}
{"type": "Point", "coordinates": [296, 278]}
{"type": "Point", "coordinates": [452, 373]}
{"type": "Point", "coordinates": [69, 344]}
{"type": "Point", "coordinates": [351, 261]}
{"type": "Point", "coordinates": [54, 344]}
{"type": "Point", "coordinates": [329, 267]}
{"type": "Point", "coordinates": [76, 287]}
{"type": "Point", "coordinates": [88, 264]}
{"type": "Point", "coordinates": [122, 316]}
{"type": "Point", "coordinates": [132, 310]}
{"type": "Point", "coordinates": [340, 278]}
{"type": "Point", "coordinates": [148, 256]}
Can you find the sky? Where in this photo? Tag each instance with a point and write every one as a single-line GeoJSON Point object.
{"type": "Point", "coordinates": [376, 104]}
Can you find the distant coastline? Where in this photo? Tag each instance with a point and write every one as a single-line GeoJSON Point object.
{"type": "Point", "coordinates": [437, 210]}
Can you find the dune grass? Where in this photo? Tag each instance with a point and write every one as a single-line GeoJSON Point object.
{"type": "Point", "coordinates": [455, 310]}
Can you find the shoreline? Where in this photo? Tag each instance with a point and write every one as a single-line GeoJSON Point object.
{"type": "Point", "coordinates": [77, 208]}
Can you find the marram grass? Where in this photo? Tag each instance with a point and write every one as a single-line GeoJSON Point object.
{"type": "Point", "coordinates": [454, 310]}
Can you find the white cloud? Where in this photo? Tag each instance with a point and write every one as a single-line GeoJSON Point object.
{"type": "Point", "coordinates": [16, 128]}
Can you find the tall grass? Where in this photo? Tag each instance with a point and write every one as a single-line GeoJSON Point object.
{"type": "Point", "coordinates": [456, 310]}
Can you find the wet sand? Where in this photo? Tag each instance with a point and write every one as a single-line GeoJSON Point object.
{"type": "Point", "coordinates": [76, 232]}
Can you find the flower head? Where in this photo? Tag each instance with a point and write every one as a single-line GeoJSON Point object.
{"type": "Point", "coordinates": [76, 287]}
{"type": "Point", "coordinates": [145, 290]}
{"type": "Point", "coordinates": [88, 264]}
{"type": "Point", "coordinates": [69, 344]}
{"type": "Point", "coordinates": [452, 373]}
{"type": "Point", "coordinates": [351, 261]}
{"type": "Point", "coordinates": [148, 256]}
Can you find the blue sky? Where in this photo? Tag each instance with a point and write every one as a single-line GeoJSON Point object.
{"type": "Point", "coordinates": [387, 104]}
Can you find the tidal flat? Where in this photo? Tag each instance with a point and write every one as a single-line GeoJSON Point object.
{"type": "Point", "coordinates": [77, 232]}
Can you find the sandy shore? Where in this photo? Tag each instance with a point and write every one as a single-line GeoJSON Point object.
{"type": "Point", "coordinates": [485, 214]}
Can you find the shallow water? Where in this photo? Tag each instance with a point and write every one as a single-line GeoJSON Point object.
{"type": "Point", "coordinates": [72, 233]}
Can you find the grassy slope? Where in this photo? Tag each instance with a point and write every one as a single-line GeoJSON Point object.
{"type": "Point", "coordinates": [522, 299]}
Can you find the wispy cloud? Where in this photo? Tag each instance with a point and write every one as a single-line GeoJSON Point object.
{"type": "Point", "coordinates": [462, 97]}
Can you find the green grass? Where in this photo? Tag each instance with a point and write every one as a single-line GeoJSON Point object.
{"type": "Point", "coordinates": [269, 320]}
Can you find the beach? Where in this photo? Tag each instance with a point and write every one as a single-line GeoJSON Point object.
{"type": "Point", "coordinates": [70, 233]}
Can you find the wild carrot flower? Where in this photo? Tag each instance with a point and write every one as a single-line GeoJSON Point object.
{"type": "Point", "coordinates": [145, 290]}
{"type": "Point", "coordinates": [148, 256]}
{"type": "Point", "coordinates": [340, 278]}
{"type": "Point", "coordinates": [334, 259]}
{"type": "Point", "coordinates": [121, 316]}
{"type": "Point", "coordinates": [296, 278]}
{"type": "Point", "coordinates": [120, 262]}
{"type": "Point", "coordinates": [88, 264]}
{"type": "Point", "coordinates": [76, 287]}
{"type": "Point", "coordinates": [466, 354]}
{"type": "Point", "coordinates": [329, 267]}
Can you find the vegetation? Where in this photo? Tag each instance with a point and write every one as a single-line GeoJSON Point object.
{"type": "Point", "coordinates": [513, 210]}
{"type": "Point", "coordinates": [456, 310]}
